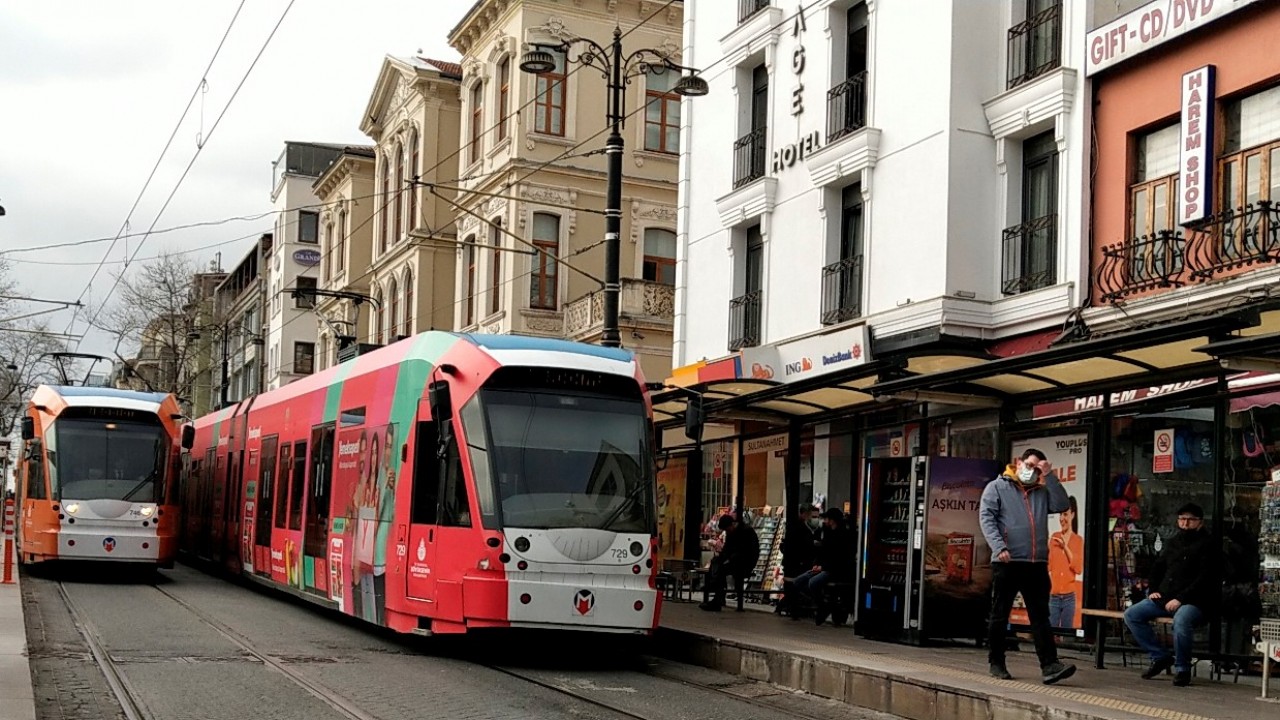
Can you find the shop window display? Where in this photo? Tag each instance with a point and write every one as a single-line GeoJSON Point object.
{"type": "Point", "coordinates": [1251, 518]}
{"type": "Point", "coordinates": [1159, 461]}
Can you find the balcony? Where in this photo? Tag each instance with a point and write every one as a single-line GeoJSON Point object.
{"type": "Point", "coordinates": [1140, 264]}
{"type": "Point", "coordinates": [1035, 46]}
{"type": "Point", "coordinates": [842, 291]}
{"type": "Point", "coordinates": [1030, 255]}
{"type": "Point", "coordinates": [749, 158]}
{"type": "Point", "coordinates": [641, 303]}
{"type": "Point", "coordinates": [748, 8]}
{"type": "Point", "coordinates": [744, 320]}
{"type": "Point", "coordinates": [1234, 239]}
{"type": "Point", "coordinates": [847, 107]}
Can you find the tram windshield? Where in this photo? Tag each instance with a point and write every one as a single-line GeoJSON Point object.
{"type": "Point", "coordinates": [92, 459]}
{"type": "Point", "coordinates": [561, 459]}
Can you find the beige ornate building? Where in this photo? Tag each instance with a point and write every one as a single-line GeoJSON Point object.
{"type": "Point", "coordinates": [346, 193]}
{"type": "Point", "coordinates": [389, 238]}
{"type": "Point", "coordinates": [525, 179]}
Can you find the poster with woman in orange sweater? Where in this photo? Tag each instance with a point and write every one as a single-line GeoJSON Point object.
{"type": "Point", "coordinates": [1066, 568]}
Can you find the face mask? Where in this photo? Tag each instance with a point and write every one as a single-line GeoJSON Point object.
{"type": "Point", "coordinates": [815, 523]}
{"type": "Point", "coordinates": [1026, 475]}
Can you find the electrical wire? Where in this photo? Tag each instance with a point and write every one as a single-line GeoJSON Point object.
{"type": "Point", "coordinates": [199, 148]}
{"type": "Point", "coordinates": [202, 85]}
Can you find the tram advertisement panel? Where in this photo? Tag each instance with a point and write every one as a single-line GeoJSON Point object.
{"type": "Point", "coordinates": [364, 492]}
{"type": "Point", "coordinates": [1069, 455]}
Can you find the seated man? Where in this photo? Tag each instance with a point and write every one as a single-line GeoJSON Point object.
{"type": "Point", "coordinates": [1182, 582]}
{"type": "Point", "coordinates": [737, 557]}
{"type": "Point", "coordinates": [836, 561]}
{"type": "Point", "coordinates": [799, 548]}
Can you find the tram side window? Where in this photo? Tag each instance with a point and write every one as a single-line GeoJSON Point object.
{"type": "Point", "coordinates": [455, 510]}
{"type": "Point", "coordinates": [426, 476]}
{"type": "Point", "coordinates": [299, 479]}
{"type": "Point", "coordinates": [35, 472]}
{"type": "Point", "coordinates": [282, 485]}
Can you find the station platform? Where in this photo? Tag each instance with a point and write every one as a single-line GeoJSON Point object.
{"type": "Point", "coordinates": [17, 701]}
{"type": "Point", "coordinates": [947, 682]}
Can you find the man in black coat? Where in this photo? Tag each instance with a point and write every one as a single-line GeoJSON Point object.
{"type": "Point", "coordinates": [737, 557]}
{"type": "Point", "coordinates": [835, 561]}
{"type": "Point", "coordinates": [1183, 588]}
{"type": "Point", "coordinates": [799, 548]}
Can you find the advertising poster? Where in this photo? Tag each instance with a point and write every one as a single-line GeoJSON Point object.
{"type": "Point", "coordinates": [957, 562]}
{"type": "Point", "coordinates": [671, 502]}
{"type": "Point", "coordinates": [348, 489]}
{"type": "Point", "coordinates": [1069, 455]}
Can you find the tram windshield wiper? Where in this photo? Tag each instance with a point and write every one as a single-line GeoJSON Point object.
{"type": "Point", "coordinates": [150, 478]}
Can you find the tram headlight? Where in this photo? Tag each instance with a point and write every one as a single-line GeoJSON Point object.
{"type": "Point", "coordinates": [72, 508]}
{"type": "Point", "coordinates": [147, 510]}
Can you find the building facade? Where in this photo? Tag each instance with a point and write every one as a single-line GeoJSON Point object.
{"type": "Point", "coordinates": [294, 261]}
{"type": "Point", "coordinates": [413, 118]}
{"type": "Point", "coordinates": [348, 204]}
{"type": "Point", "coordinates": [1077, 258]}
{"type": "Point", "coordinates": [235, 338]}
{"type": "Point", "coordinates": [530, 189]}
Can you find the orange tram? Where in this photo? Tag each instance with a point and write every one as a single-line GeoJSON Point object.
{"type": "Point", "coordinates": [97, 476]}
{"type": "Point", "coordinates": [441, 484]}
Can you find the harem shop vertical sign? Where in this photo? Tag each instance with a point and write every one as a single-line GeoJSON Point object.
{"type": "Point", "coordinates": [1195, 167]}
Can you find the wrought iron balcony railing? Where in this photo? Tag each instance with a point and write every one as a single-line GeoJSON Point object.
{"type": "Point", "coordinates": [842, 290]}
{"type": "Point", "coordinates": [1144, 263]}
{"type": "Point", "coordinates": [744, 320]}
{"type": "Point", "coordinates": [748, 8]}
{"type": "Point", "coordinates": [1233, 239]}
{"type": "Point", "coordinates": [1035, 46]}
{"type": "Point", "coordinates": [748, 158]}
{"type": "Point", "coordinates": [1030, 252]}
{"type": "Point", "coordinates": [847, 107]}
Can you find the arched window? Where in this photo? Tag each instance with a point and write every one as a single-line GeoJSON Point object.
{"type": "Point", "coordinates": [328, 259]}
{"type": "Point", "coordinates": [660, 256]}
{"type": "Point", "coordinates": [495, 269]}
{"type": "Point", "coordinates": [379, 317]}
{"type": "Point", "coordinates": [542, 283]}
{"type": "Point", "coordinates": [504, 96]}
{"type": "Point", "coordinates": [414, 141]}
{"type": "Point", "coordinates": [386, 200]}
{"type": "Point", "coordinates": [399, 226]}
{"type": "Point", "coordinates": [393, 295]}
{"type": "Point", "coordinates": [408, 301]}
{"type": "Point", "coordinates": [469, 282]}
{"type": "Point", "coordinates": [340, 246]}
{"type": "Point", "coordinates": [477, 120]}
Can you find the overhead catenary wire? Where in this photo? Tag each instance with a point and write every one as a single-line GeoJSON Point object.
{"type": "Point", "coordinates": [199, 148]}
{"type": "Point", "coordinates": [200, 86]}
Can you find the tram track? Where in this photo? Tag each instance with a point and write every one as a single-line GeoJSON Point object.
{"type": "Point", "coordinates": [129, 699]}
{"type": "Point", "coordinates": [583, 690]}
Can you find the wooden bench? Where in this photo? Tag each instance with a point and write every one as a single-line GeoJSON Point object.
{"type": "Point", "coordinates": [1100, 647]}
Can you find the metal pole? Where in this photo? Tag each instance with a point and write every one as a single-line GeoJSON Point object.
{"type": "Point", "coordinates": [610, 337]}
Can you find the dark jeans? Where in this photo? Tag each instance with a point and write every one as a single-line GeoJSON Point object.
{"type": "Point", "coordinates": [1032, 580]}
{"type": "Point", "coordinates": [716, 583]}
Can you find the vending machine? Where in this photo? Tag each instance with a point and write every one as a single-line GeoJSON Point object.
{"type": "Point", "coordinates": [925, 570]}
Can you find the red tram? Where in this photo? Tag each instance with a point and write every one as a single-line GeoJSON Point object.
{"type": "Point", "coordinates": [442, 484]}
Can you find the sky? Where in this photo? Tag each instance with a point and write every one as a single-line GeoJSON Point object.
{"type": "Point", "coordinates": [90, 92]}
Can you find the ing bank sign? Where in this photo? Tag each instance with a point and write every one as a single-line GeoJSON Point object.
{"type": "Point", "coordinates": [808, 357]}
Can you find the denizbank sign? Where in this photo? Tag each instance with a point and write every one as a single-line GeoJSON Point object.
{"type": "Point", "coordinates": [1150, 26]}
{"type": "Point", "coordinates": [808, 357]}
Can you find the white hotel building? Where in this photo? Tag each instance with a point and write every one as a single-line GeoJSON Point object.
{"type": "Point", "coordinates": [871, 190]}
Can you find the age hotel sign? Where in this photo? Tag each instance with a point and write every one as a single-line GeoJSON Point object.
{"type": "Point", "coordinates": [1149, 26]}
